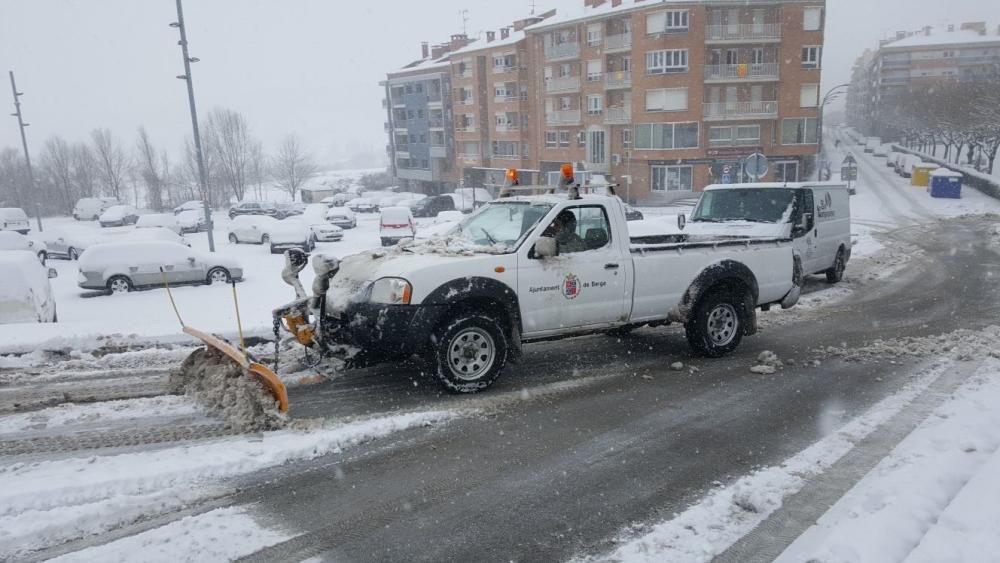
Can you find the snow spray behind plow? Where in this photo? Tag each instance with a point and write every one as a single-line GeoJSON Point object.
{"type": "Point", "coordinates": [249, 394]}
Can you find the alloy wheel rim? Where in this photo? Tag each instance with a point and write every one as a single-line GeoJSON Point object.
{"type": "Point", "coordinates": [471, 354]}
{"type": "Point", "coordinates": [119, 286]}
{"type": "Point", "coordinates": [722, 324]}
{"type": "Point", "coordinates": [218, 276]}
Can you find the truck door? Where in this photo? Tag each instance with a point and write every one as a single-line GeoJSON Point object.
{"type": "Point", "coordinates": [805, 238]}
{"type": "Point", "coordinates": [584, 285]}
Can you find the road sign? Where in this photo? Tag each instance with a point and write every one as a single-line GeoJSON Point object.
{"type": "Point", "coordinates": [849, 174]}
{"type": "Point", "coordinates": [850, 161]}
{"type": "Point", "coordinates": [756, 165]}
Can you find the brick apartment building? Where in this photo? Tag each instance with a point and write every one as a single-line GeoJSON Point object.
{"type": "Point", "coordinates": [918, 59]}
{"type": "Point", "coordinates": [662, 97]}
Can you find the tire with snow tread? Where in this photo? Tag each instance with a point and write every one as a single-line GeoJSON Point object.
{"type": "Point", "coordinates": [836, 273]}
{"type": "Point", "coordinates": [470, 351]}
{"type": "Point", "coordinates": [717, 324]}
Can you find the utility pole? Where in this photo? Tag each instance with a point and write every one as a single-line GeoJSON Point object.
{"type": "Point", "coordinates": [202, 177]}
{"type": "Point", "coordinates": [24, 143]}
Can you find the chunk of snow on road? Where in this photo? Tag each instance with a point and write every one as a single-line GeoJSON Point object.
{"type": "Point", "coordinates": [220, 535]}
{"type": "Point", "coordinates": [932, 499]}
{"type": "Point", "coordinates": [709, 527]}
{"type": "Point", "coordinates": [767, 363]}
{"type": "Point", "coordinates": [108, 411]}
{"type": "Point", "coordinates": [962, 345]}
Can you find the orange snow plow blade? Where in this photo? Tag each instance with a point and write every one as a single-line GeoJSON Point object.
{"type": "Point", "coordinates": [268, 378]}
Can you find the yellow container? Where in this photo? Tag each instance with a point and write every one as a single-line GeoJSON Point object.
{"type": "Point", "coordinates": [921, 176]}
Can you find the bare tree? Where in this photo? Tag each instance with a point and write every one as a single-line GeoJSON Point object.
{"type": "Point", "coordinates": [12, 177]}
{"type": "Point", "coordinates": [151, 169]}
{"type": "Point", "coordinates": [57, 164]}
{"type": "Point", "coordinates": [258, 168]}
{"type": "Point", "coordinates": [85, 170]}
{"type": "Point", "coordinates": [111, 159]}
{"type": "Point", "coordinates": [229, 136]}
{"type": "Point", "coordinates": [292, 165]}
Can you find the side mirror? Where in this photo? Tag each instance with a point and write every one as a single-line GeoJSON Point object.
{"type": "Point", "coordinates": [546, 247]}
{"type": "Point", "coordinates": [192, 260]}
{"type": "Point", "coordinates": [53, 273]}
{"type": "Point", "coordinates": [682, 221]}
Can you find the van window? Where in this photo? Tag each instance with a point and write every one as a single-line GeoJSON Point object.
{"type": "Point", "coordinates": [809, 203]}
{"type": "Point", "coordinates": [757, 205]}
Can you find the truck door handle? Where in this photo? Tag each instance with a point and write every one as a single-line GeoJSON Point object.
{"type": "Point", "coordinates": [611, 266]}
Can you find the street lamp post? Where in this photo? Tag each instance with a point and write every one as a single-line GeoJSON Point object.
{"type": "Point", "coordinates": [24, 143]}
{"type": "Point", "coordinates": [829, 97]}
{"type": "Point", "coordinates": [202, 177]}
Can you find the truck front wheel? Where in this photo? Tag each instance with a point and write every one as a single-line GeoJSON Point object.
{"type": "Point", "coordinates": [717, 324]}
{"type": "Point", "coordinates": [470, 352]}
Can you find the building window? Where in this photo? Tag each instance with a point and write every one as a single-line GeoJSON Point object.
{"type": "Point", "coordinates": [551, 139]}
{"type": "Point", "coordinates": [594, 34]}
{"type": "Point", "coordinates": [565, 70]}
{"type": "Point", "coordinates": [506, 149]}
{"type": "Point", "coordinates": [809, 95]}
{"type": "Point", "coordinates": [734, 136]}
{"type": "Point", "coordinates": [593, 71]}
{"type": "Point", "coordinates": [671, 178]}
{"type": "Point", "coordinates": [564, 138]}
{"type": "Point", "coordinates": [666, 136]}
{"type": "Point", "coordinates": [595, 104]}
{"type": "Point", "coordinates": [418, 88]}
{"type": "Point", "coordinates": [812, 19]}
{"type": "Point", "coordinates": [470, 148]}
{"type": "Point", "coordinates": [626, 137]}
{"type": "Point", "coordinates": [505, 62]}
{"type": "Point", "coordinates": [811, 57]}
{"type": "Point", "coordinates": [420, 114]}
{"type": "Point", "coordinates": [667, 99]}
{"type": "Point", "coordinates": [666, 60]}
{"type": "Point", "coordinates": [799, 131]}
{"type": "Point", "coordinates": [565, 103]}
{"type": "Point", "coordinates": [409, 88]}
{"type": "Point", "coordinates": [670, 21]}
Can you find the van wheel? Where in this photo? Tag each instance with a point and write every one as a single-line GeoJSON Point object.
{"type": "Point", "coordinates": [386, 242]}
{"type": "Point", "coordinates": [716, 326]}
{"type": "Point", "coordinates": [119, 285]}
{"type": "Point", "coordinates": [470, 352]}
{"type": "Point", "coordinates": [836, 273]}
{"type": "Point", "coordinates": [73, 253]}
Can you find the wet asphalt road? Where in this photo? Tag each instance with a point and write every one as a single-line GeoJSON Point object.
{"type": "Point", "coordinates": [589, 436]}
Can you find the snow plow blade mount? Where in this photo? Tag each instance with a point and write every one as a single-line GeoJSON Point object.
{"type": "Point", "coordinates": [268, 378]}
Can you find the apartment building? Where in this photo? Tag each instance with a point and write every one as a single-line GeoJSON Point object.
{"type": "Point", "coordinates": [967, 52]}
{"type": "Point", "coordinates": [662, 97]}
{"type": "Point", "coordinates": [419, 125]}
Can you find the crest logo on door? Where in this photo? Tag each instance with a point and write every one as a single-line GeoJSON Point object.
{"type": "Point", "coordinates": [571, 287]}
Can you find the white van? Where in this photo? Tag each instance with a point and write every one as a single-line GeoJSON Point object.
{"type": "Point", "coordinates": [906, 165]}
{"type": "Point", "coordinates": [872, 144]}
{"type": "Point", "coordinates": [14, 219]}
{"type": "Point", "coordinates": [815, 215]}
{"type": "Point", "coordinates": [90, 208]}
{"type": "Point", "coordinates": [395, 224]}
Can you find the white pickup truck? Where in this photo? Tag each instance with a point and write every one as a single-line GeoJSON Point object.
{"type": "Point", "coordinates": [532, 268]}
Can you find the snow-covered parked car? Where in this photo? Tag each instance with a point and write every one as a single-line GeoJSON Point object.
{"type": "Point", "coordinates": [335, 200]}
{"type": "Point", "coordinates": [314, 216]}
{"type": "Point", "coordinates": [396, 224]}
{"type": "Point", "coordinates": [362, 205]}
{"type": "Point", "coordinates": [633, 214]}
{"type": "Point", "coordinates": [10, 240]}
{"type": "Point", "coordinates": [292, 233]}
{"type": "Point", "coordinates": [192, 221]}
{"type": "Point", "coordinates": [468, 199]}
{"type": "Point", "coordinates": [150, 233]}
{"type": "Point", "coordinates": [254, 229]}
{"type": "Point", "coordinates": [882, 150]}
{"type": "Point", "coordinates": [158, 221]}
{"type": "Point", "coordinates": [14, 219]}
{"type": "Point", "coordinates": [342, 217]}
{"type": "Point", "coordinates": [25, 292]}
{"type": "Point", "coordinates": [90, 208]}
{"type": "Point", "coordinates": [118, 215]}
{"type": "Point", "coordinates": [440, 225]}
{"type": "Point", "coordinates": [193, 205]}
{"type": "Point", "coordinates": [120, 267]}
{"type": "Point", "coordinates": [69, 244]}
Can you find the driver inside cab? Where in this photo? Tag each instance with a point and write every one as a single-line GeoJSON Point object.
{"type": "Point", "coordinates": [563, 229]}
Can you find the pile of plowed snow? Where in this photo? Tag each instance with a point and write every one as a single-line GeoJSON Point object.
{"type": "Point", "coordinates": [962, 345]}
{"type": "Point", "coordinates": [223, 386]}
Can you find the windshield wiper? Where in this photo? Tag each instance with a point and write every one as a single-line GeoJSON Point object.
{"type": "Point", "coordinates": [489, 237]}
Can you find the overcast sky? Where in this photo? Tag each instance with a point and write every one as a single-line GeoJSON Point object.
{"type": "Point", "coordinates": [306, 66]}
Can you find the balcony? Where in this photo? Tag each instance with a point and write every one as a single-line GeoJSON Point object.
{"type": "Point", "coordinates": [468, 128]}
{"type": "Point", "coordinates": [621, 42]}
{"type": "Point", "coordinates": [465, 102]}
{"type": "Point", "coordinates": [504, 69]}
{"type": "Point", "coordinates": [439, 152]}
{"type": "Point", "coordinates": [618, 79]}
{"type": "Point", "coordinates": [741, 73]}
{"type": "Point", "coordinates": [506, 157]}
{"type": "Point", "coordinates": [505, 99]}
{"type": "Point", "coordinates": [618, 116]}
{"type": "Point", "coordinates": [562, 51]}
{"type": "Point", "coordinates": [508, 127]}
{"type": "Point", "coordinates": [563, 117]}
{"type": "Point", "coordinates": [725, 111]}
{"type": "Point", "coordinates": [736, 33]}
{"type": "Point", "coordinates": [468, 157]}
{"type": "Point", "coordinates": [562, 84]}
{"type": "Point", "coordinates": [436, 123]}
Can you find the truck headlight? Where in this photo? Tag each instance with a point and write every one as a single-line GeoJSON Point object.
{"type": "Point", "coordinates": [391, 291]}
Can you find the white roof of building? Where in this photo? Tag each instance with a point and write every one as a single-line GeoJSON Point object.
{"type": "Point", "coordinates": [579, 12]}
{"type": "Point", "coordinates": [943, 38]}
{"type": "Point", "coordinates": [481, 44]}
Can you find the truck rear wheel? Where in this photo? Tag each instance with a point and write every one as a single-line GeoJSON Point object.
{"type": "Point", "coordinates": [836, 273]}
{"type": "Point", "coordinates": [717, 324]}
{"type": "Point", "coordinates": [470, 351]}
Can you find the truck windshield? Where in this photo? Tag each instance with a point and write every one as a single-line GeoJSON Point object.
{"type": "Point", "coordinates": [746, 204]}
{"type": "Point", "coordinates": [502, 223]}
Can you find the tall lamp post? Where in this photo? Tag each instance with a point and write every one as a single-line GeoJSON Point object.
{"type": "Point", "coordinates": [831, 95]}
{"type": "Point", "coordinates": [24, 144]}
{"type": "Point", "coordinates": [202, 177]}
